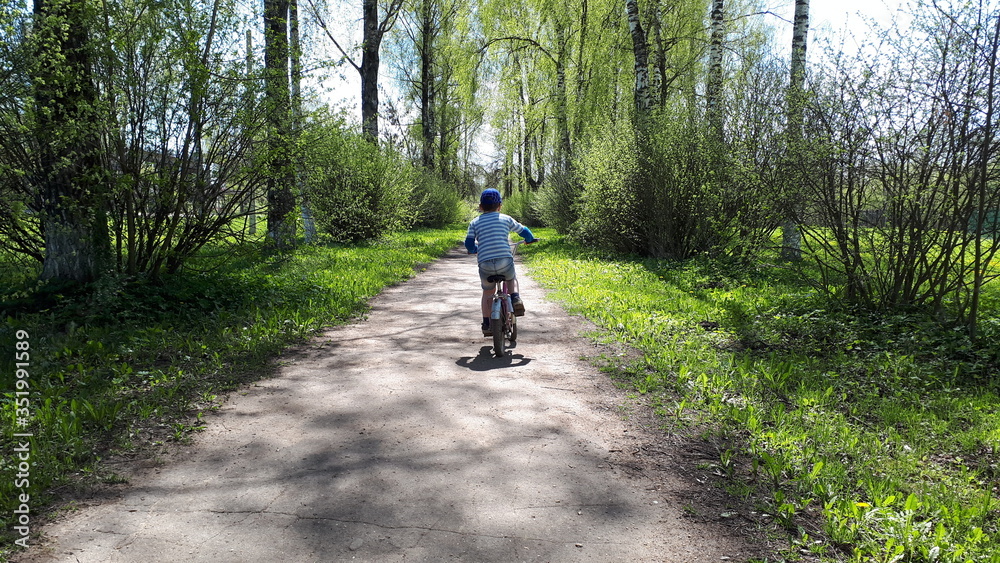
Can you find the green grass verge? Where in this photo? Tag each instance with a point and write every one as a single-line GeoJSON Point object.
{"type": "Point", "coordinates": [869, 437]}
{"type": "Point", "coordinates": [131, 364]}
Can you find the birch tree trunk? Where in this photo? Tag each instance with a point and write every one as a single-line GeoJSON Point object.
{"type": "Point", "coordinates": [713, 89]}
{"type": "Point", "coordinates": [640, 48]}
{"type": "Point", "coordinates": [791, 235]}
{"type": "Point", "coordinates": [295, 44]}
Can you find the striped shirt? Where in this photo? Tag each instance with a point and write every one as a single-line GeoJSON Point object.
{"type": "Point", "coordinates": [490, 232]}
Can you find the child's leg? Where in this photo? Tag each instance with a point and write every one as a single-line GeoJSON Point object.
{"type": "Point", "coordinates": [487, 301]}
{"type": "Point", "coordinates": [512, 287]}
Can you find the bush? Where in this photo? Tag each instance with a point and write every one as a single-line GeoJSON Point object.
{"type": "Point", "coordinates": [522, 205]}
{"type": "Point", "coordinates": [357, 190]}
{"type": "Point", "coordinates": [437, 203]}
{"type": "Point", "coordinates": [556, 202]}
{"type": "Point", "coordinates": [673, 192]}
{"type": "Point", "coordinates": [609, 170]}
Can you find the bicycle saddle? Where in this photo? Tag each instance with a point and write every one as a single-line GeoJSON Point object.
{"type": "Point", "coordinates": [496, 278]}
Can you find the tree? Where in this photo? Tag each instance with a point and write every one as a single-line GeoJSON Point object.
{"type": "Point", "coordinates": [791, 235]}
{"type": "Point", "coordinates": [295, 58]}
{"type": "Point", "coordinates": [184, 122]}
{"type": "Point", "coordinates": [713, 88]}
{"type": "Point", "coordinates": [640, 50]}
{"type": "Point", "coordinates": [899, 167]}
{"type": "Point", "coordinates": [70, 176]}
{"type": "Point", "coordinates": [423, 66]}
{"type": "Point", "coordinates": [280, 198]}
{"type": "Point", "coordinates": [374, 30]}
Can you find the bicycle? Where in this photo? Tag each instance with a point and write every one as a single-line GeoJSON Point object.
{"type": "Point", "coordinates": [502, 311]}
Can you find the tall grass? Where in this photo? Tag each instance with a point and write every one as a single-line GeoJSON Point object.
{"type": "Point", "coordinates": [870, 437]}
{"type": "Point", "coordinates": [129, 364]}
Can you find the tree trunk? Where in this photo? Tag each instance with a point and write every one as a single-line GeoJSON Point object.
{"type": "Point", "coordinates": [280, 199]}
{"type": "Point", "coordinates": [640, 48]}
{"type": "Point", "coordinates": [252, 193]}
{"type": "Point", "coordinates": [295, 44]}
{"type": "Point", "coordinates": [428, 32]}
{"type": "Point", "coordinates": [660, 81]}
{"type": "Point", "coordinates": [713, 89]}
{"type": "Point", "coordinates": [369, 71]}
{"type": "Point", "coordinates": [563, 141]}
{"type": "Point", "coordinates": [71, 179]}
{"type": "Point", "coordinates": [791, 235]}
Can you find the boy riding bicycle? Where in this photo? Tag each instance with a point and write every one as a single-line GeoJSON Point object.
{"type": "Point", "coordinates": [488, 236]}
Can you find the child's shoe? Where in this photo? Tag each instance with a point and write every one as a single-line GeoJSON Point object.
{"type": "Point", "coordinates": [515, 300]}
{"type": "Point", "coordinates": [486, 328]}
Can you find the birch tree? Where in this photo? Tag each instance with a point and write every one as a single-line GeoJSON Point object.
{"type": "Point", "coordinates": [791, 236]}
{"type": "Point", "coordinates": [640, 51]}
{"type": "Point", "coordinates": [713, 88]}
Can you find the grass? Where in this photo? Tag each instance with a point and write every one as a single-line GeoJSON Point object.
{"type": "Point", "coordinates": [868, 437]}
{"type": "Point", "coordinates": [130, 364]}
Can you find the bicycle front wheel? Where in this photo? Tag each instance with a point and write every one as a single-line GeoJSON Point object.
{"type": "Point", "coordinates": [513, 328]}
{"type": "Point", "coordinates": [498, 334]}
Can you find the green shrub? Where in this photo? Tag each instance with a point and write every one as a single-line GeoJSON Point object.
{"type": "Point", "coordinates": [522, 206]}
{"type": "Point", "coordinates": [357, 190]}
{"type": "Point", "coordinates": [556, 202]}
{"type": "Point", "coordinates": [608, 204]}
{"type": "Point", "coordinates": [672, 191]}
{"type": "Point", "coordinates": [437, 203]}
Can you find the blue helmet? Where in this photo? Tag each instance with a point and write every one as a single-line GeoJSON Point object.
{"type": "Point", "coordinates": [490, 197]}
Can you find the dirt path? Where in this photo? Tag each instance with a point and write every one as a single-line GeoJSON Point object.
{"type": "Point", "coordinates": [399, 438]}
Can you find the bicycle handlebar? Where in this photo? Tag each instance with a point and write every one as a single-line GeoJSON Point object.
{"type": "Point", "coordinates": [514, 245]}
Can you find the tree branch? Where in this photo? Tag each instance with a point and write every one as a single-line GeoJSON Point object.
{"type": "Point", "coordinates": [527, 40]}
{"type": "Point", "coordinates": [322, 23]}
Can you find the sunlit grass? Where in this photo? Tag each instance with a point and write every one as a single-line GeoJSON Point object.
{"type": "Point", "coordinates": [885, 429]}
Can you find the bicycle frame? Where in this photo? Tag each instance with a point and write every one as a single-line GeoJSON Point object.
{"type": "Point", "coordinates": [501, 303]}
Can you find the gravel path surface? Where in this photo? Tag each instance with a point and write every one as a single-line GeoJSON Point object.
{"type": "Point", "coordinates": [399, 438]}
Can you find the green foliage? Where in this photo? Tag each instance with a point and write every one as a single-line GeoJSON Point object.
{"type": "Point", "coordinates": [437, 202]}
{"type": "Point", "coordinates": [523, 206]}
{"type": "Point", "coordinates": [130, 364]}
{"type": "Point", "coordinates": [176, 114]}
{"type": "Point", "coordinates": [884, 426]}
{"type": "Point", "coordinates": [670, 191]}
{"type": "Point", "coordinates": [556, 202]}
{"type": "Point", "coordinates": [358, 191]}
{"type": "Point", "coordinates": [896, 199]}
{"type": "Point", "coordinates": [609, 203]}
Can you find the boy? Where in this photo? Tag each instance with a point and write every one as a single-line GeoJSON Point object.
{"type": "Point", "coordinates": [487, 236]}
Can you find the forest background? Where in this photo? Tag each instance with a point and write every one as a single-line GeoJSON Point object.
{"type": "Point", "coordinates": [801, 247]}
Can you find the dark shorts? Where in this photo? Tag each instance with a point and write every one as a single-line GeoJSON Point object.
{"type": "Point", "coordinates": [496, 267]}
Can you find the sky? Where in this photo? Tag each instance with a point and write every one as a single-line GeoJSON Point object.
{"type": "Point", "coordinates": [846, 20]}
{"type": "Point", "coordinates": [837, 13]}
